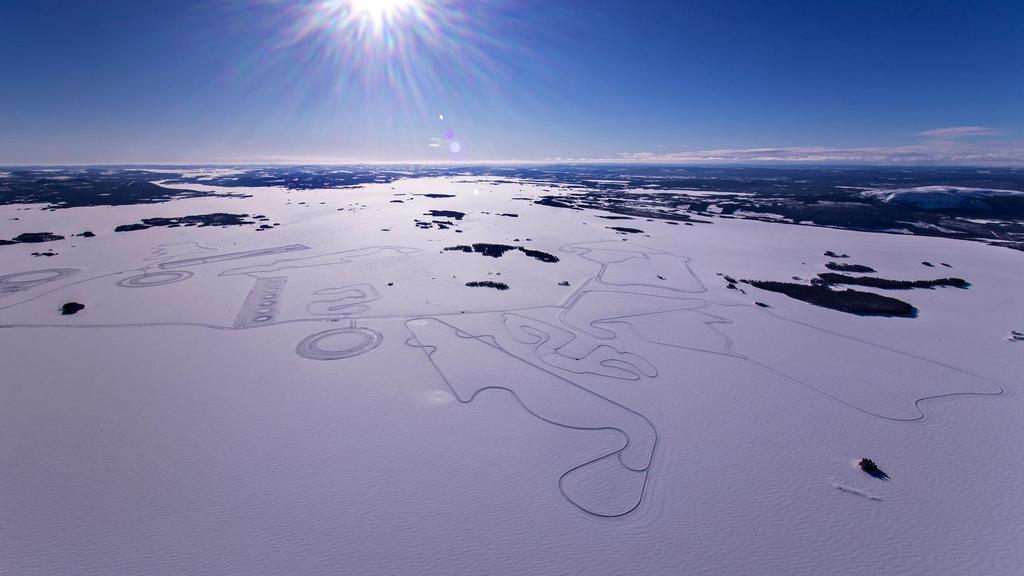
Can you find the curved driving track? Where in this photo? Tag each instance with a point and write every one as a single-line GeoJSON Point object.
{"type": "Point", "coordinates": [653, 294]}
{"type": "Point", "coordinates": [339, 343]}
{"type": "Point", "coordinates": [611, 485]}
{"type": "Point", "coordinates": [18, 281]}
{"type": "Point", "coordinates": [150, 279]}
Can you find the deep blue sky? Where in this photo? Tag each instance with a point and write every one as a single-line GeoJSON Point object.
{"type": "Point", "coordinates": [110, 81]}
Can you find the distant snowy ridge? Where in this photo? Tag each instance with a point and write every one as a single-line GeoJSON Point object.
{"type": "Point", "coordinates": [937, 196]}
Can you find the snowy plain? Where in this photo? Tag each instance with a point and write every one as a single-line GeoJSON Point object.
{"type": "Point", "coordinates": [329, 397]}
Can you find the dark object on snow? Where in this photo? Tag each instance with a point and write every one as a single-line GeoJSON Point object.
{"type": "Point", "coordinates": [538, 255]}
{"type": "Point", "coordinates": [563, 283]}
{"type": "Point", "coordinates": [550, 201]}
{"type": "Point", "coordinates": [849, 301]}
{"type": "Point", "coordinates": [446, 214]}
{"type": "Point", "coordinates": [35, 238]}
{"type": "Point", "coordinates": [86, 234]}
{"type": "Point", "coordinates": [840, 267]}
{"type": "Point", "coordinates": [130, 227]}
{"type": "Point", "coordinates": [872, 469]}
{"type": "Point", "coordinates": [498, 250]}
{"type": "Point", "coordinates": [762, 305]}
{"type": "Point", "coordinates": [492, 250]}
{"type": "Point", "coordinates": [71, 308]}
{"type": "Point", "coordinates": [928, 264]}
{"type": "Point", "coordinates": [832, 254]}
{"type": "Point", "coordinates": [830, 278]}
{"type": "Point", "coordinates": [201, 220]}
{"type": "Point", "coordinates": [488, 284]}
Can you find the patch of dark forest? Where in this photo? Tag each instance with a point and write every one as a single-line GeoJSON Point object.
{"type": "Point", "coordinates": [822, 197]}
{"type": "Point", "coordinates": [831, 278]}
{"type": "Point", "coordinates": [499, 250]}
{"type": "Point", "coordinates": [820, 292]}
{"type": "Point", "coordinates": [488, 284]}
{"type": "Point", "coordinates": [843, 267]}
{"type": "Point", "coordinates": [32, 238]}
{"type": "Point", "coordinates": [805, 195]}
{"type": "Point", "coordinates": [446, 214]}
{"type": "Point", "coordinates": [71, 188]}
{"type": "Point", "coordinates": [439, 224]}
{"type": "Point", "coordinates": [850, 301]}
{"type": "Point", "coordinates": [197, 220]}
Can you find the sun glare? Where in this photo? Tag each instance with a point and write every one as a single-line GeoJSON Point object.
{"type": "Point", "coordinates": [381, 12]}
{"type": "Point", "coordinates": [413, 55]}
{"type": "Point", "coordinates": [374, 16]}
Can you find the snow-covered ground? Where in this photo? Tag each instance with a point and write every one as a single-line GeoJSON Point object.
{"type": "Point", "coordinates": [329, 397]}
{"type": "Point", "coordinates": [937, 196]}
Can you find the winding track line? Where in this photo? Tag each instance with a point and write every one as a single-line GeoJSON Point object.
{"type": "Point", "coordinates": [490, 341]}
{"type": "Point", "coordinates": [595, 284]}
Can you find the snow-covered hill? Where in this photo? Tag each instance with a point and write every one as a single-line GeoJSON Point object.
{"type": "Point", "coordinates": [939, 197]}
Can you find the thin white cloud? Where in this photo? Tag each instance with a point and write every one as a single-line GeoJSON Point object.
{"type": "Point", "coordinates": [939, 146]}
{"type": "Point", "coordinates": [952, 132]}
{"type": "Point", "coordinates": [824, 155]}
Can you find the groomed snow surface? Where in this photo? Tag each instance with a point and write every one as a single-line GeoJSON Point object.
{"type": "Point", "coordinates": [330, 397]}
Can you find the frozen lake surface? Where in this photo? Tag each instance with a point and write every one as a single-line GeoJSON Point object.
{"type": "Point", "coordinates": [313, 381]}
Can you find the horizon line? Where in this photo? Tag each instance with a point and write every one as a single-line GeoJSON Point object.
{"type": "Point", "coordinates": [549, 162]}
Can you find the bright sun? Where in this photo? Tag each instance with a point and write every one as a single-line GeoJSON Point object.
{"type": "Point", "coordinates": [380, 12]}
{"type": "Point", "coordinates": [404, 48]}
